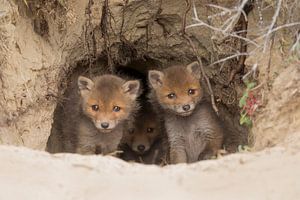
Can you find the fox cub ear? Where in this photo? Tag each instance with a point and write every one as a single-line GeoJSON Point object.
{"type": "Point", "coordinates": [194, 69]}
{"type": "Point", "coordinates": [132, 88]}
{"type": "Point", "coordinates": [155, 78]}
{"type": "Point", "coordinates": [84, 84]}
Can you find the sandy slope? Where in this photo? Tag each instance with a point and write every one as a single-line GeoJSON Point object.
{"type": "Point", "coordinates": [27, 174]}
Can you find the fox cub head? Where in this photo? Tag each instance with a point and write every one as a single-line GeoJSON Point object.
{"type": "Point", "coordinates": [142, 134]}
{"type": "Point", "coordinates": [108, 100]}
{"type": "Point", "coordinates": [177, 89]}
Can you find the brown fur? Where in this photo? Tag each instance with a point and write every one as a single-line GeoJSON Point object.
{"type": "Point", "coordinates": [82, 130]}
{"type": "Point", "coordinates": [147, 131]}
{"type": "Point", "coordinates": [194, 133]}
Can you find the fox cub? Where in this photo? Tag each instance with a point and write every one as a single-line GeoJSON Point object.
{"type": "Point", "coordinates": [194, 131]}
{"type": "Point", "coordinates": [145, 140]}
{"type": "Point", "coordinates": [94, 118]}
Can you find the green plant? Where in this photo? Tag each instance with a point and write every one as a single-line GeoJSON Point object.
{"type": "Point", "coordinates": [248, 104]}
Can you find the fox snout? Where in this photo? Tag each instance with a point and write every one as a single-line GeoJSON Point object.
{"type": "Point", "coordinates": [105, 125]}
{"type": "Point", "coordinates": [140, 143]}
{"type": "Point", "coordinates": [140, 148]}
{"type": "Point", "coordinates": [183, 109]}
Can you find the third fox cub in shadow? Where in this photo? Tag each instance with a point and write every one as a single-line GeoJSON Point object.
{"type": "Point", "coordinates": [194, 130]}
{"type": "Point", "coordinates": [145, 140]}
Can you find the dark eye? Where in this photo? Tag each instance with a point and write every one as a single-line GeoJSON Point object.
{"type": "Point", "coordinates": [149, 130]}
{"type": "Point", "coordinates": [131, 131]}
{"type": "Point", "coordinates": [171, 95]}
{"type": "Point", "coordinates": [116, 108]}
{"type": "Point", "coordinates": [95, 107]}
{"type": "Point", "coordinates": [191, 91]}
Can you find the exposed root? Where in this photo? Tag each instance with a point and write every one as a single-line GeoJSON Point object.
{"type": "Point", "coordinates": [270, 56]}
{"type": "Point", "coordinates": [188, 7]}
{"type": "Point", "coordinates": [91, 50]}
{"type": "Point", "coordinates": [104, 26]}
{"type": "Point", "coordinates": [241, 28]}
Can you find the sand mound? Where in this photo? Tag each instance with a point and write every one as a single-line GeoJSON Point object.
{"type": "Point", "coordinates": [27, 174]}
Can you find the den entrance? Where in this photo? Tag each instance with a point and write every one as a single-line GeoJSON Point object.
{"type": "Point", "coordinates": [150, 144]}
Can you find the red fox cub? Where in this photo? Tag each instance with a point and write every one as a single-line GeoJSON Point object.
{"type": "Point", "coordinates": [144, 140]}
{"type": "Point", "coordinates": [94, 118]}
{"type": "Point", "coordinates": [194, 131]}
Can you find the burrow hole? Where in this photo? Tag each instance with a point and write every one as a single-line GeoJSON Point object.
{"type": "Point", "coordinates": [149, 147]}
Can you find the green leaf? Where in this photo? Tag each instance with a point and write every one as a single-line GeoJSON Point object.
{"type": "Point", "coordinates": [250, 85]}
{"type": "Point", "coordinates": [245, 120]}
{"type": "Point", "coordinates": [246, 82]}
{"type": "Point", "coordinates": [242, 119]}
{"type": "Point", "coordinates": [243, 100]}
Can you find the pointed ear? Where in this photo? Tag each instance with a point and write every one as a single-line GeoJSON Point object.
{"type": "Point", "coordinates": [132, 88]}
{"type": "Point", "coordinates": [155, 78]}
{"type": "Point", "coordinates": [84, 84]}
{"type": "Point", "coordinates": [194, 69]}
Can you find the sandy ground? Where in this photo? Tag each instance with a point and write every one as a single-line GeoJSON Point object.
{"type": "Point", "coordinates": [28, 174]}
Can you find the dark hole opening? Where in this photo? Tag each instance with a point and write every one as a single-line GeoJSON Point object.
{"type": "Point", "coordinates": [135, 70]}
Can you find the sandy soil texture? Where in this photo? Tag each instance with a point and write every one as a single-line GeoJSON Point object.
{"type": "Point", "coordinates": [27, 174]}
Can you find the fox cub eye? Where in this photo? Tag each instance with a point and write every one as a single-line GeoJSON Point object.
{"type": "Point", "coordinates": [116, 108]}
{"type": "Point", "coordinates": [149, 130]}
{"type": "Point", "coordinates": [171, 95]}
{"type": "Point", "coordinates": [191, 91]}
{"type": "Point", "coordinates": [95, 107]}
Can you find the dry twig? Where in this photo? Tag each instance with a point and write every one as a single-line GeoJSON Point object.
{"type": "Point", "coordinates": [188, 7]}
{"type": "Point", "coordinates": [274, 19]}
{"type": "Point", "coordinates": [297, 42]}
{"type": "Point", "coordinates": [243, 22]}
{"type": "Point", "coordinates": [198, 58]}
{"type": "Point", "coordinates": [203, 73]}
{"type": "Point", "coordinates": [91, 55]}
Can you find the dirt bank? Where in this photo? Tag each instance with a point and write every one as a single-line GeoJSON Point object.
{"type": "Point", "coordinates": [270, 174]}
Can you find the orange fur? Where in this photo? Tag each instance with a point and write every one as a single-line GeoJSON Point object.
{"type": "Point", "coordinates": [194, 131]}
{"type": "Point", "coordinates": [174, 83]}
{"type": "Point", "coordinates": [91, 122]}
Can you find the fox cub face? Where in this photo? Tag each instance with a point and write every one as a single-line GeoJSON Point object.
{"type": "Point", "coordinates": [177, 89]}
{"type": "Point", "coordinates": [141, 135]}
{"type": "Point", "coordinates": [108, 100]}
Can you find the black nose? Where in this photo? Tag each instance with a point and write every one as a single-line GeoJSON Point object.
{"type": "Point", "coordinates": [104, 125]}
{"type": "Point", "coordinates": [141, 148]}
{"type": "Point", "coordinates": [186, 107]}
